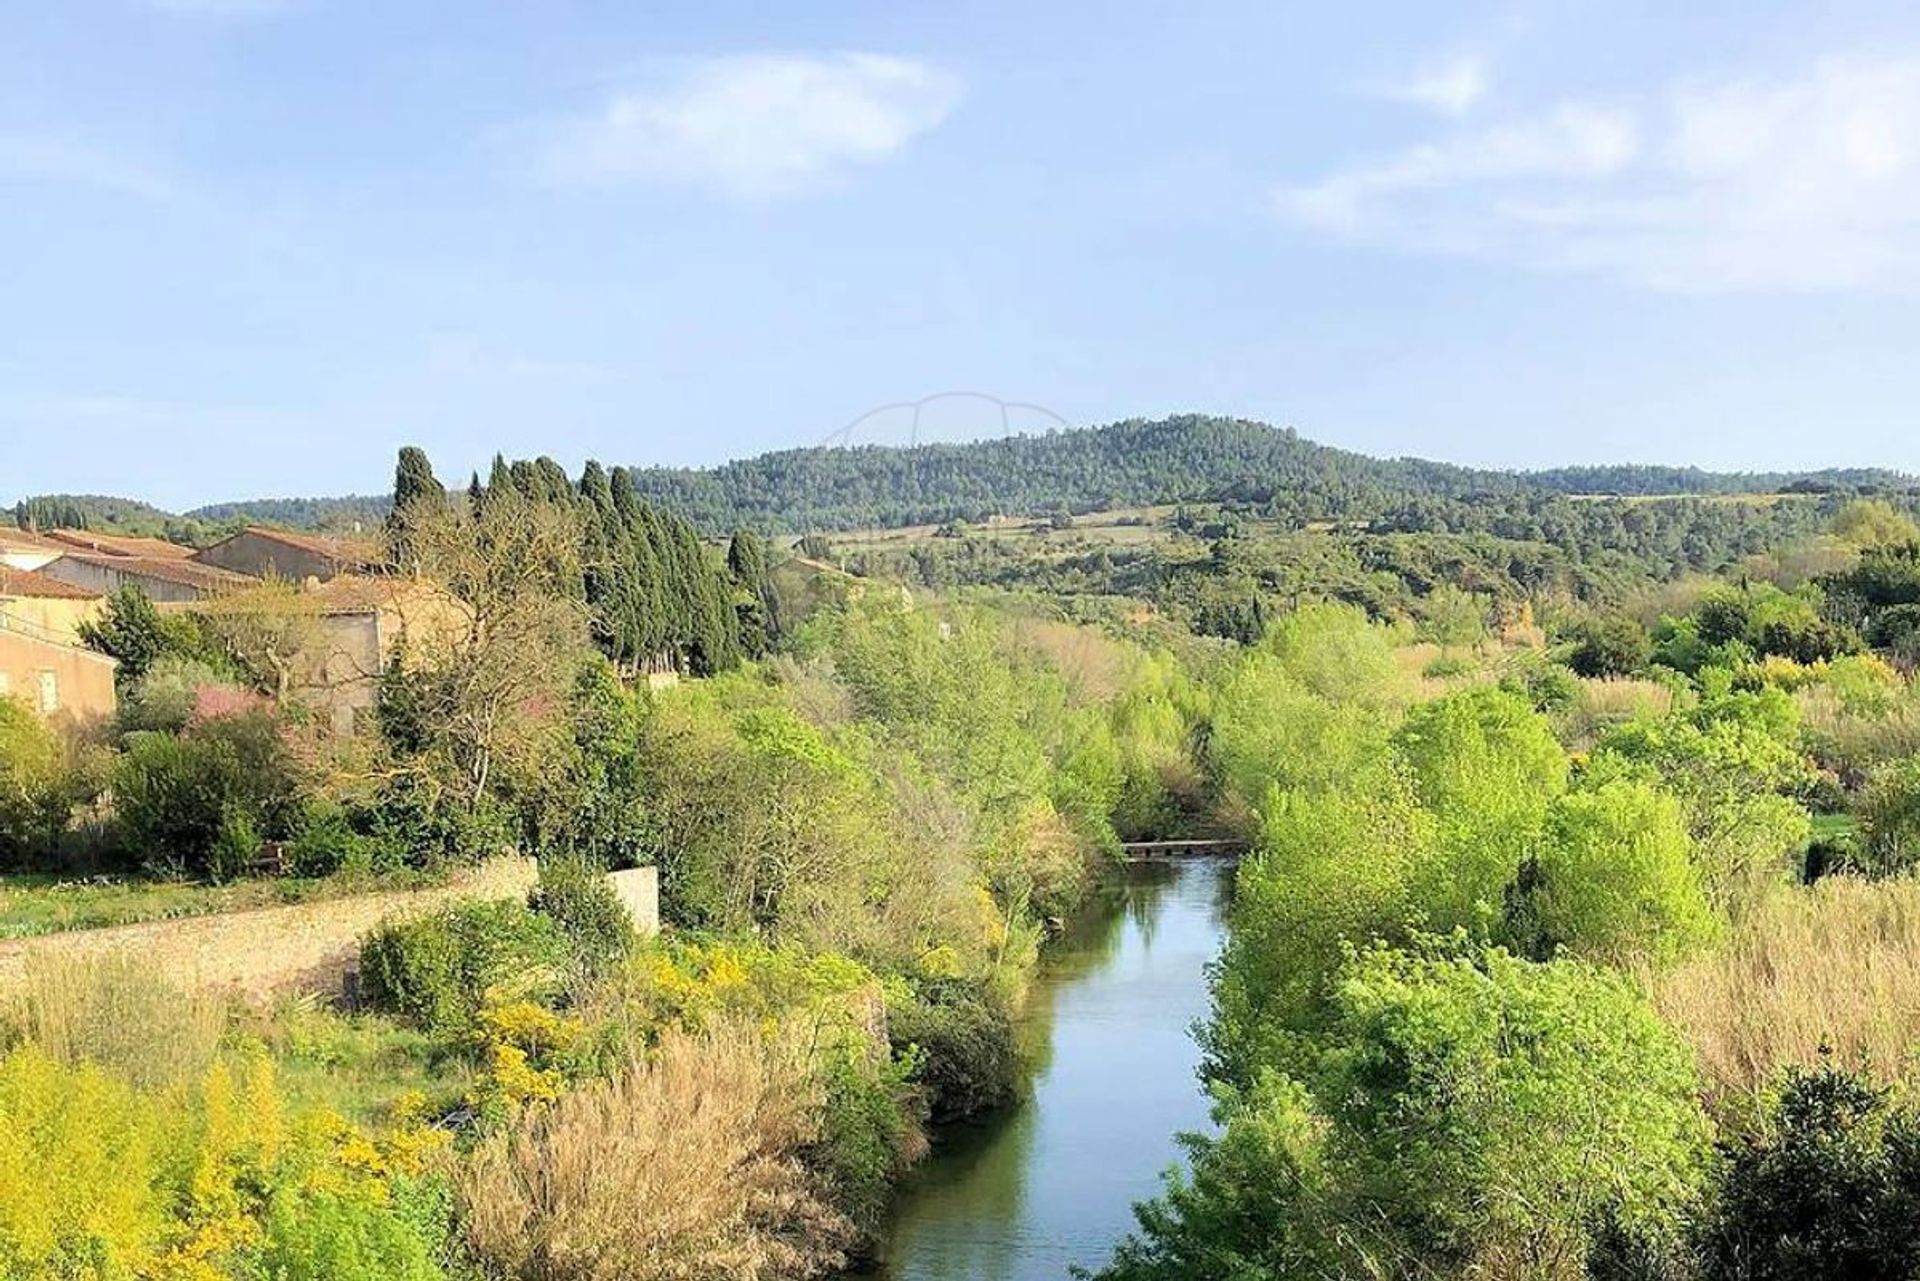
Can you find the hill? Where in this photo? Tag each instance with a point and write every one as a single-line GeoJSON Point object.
{"type": "Point", "coordinates": [1137, 463]}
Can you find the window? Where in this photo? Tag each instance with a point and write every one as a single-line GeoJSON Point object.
{"type": "Point", "coordinates": [49, 692]}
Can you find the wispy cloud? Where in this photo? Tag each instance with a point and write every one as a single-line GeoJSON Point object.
{"type": "Point", "coordinates": [758, 124]}
{"type": "Point", "coordinates": [1810, 182]}
{"type": "Point", "coordinates": [1452, 86]}
{"type": "Point", "coordinates": [50, 159]}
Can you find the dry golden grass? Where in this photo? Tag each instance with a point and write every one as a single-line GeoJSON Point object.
{"type": "Point", "coordinates": [1604, 704]}
{"type": "Point", "coordinates": [1852, 742]}
{"type": "Point", "coordinates": [1833, 967]}
{"type": "Point", "coordinates": [116, 1013]}
{"type": "Point", "coordinates": [682, 1168]}
{"type": "Point", "coordinates": [1094, 665]}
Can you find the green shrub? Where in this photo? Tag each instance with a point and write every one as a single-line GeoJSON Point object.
{"type": "Point", "coordinates": [960, 1035]}
{"type": "Point", "coordinates": [1890, 820]}
{"type": "Point", "coordinates": [871, 1133]}
{"type": "Point", "coordinates": [1829, 1188]}
{"type": "Point", "coordinates": [439, 969]}
{"type": "Point", "coordinates": [33, 810]}
{"type": "Point", "coordinates": [313, 1234]}
{"type": "Point", "coordinates": [575, 894]}
{"type": "Point", "coordinates": [426, 831]}
{"type": "Point", "coordinates": [178, 799]}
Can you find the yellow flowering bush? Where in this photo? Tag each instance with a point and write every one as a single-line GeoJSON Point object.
{"type": "Point", "coordinates": [101, 1180]}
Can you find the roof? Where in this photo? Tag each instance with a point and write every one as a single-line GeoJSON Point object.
{"type": "Point", "coordinates": [26, 582]}
{"type": "Point", "coordinates": [26, 538]}
{"type": "Point", "coordinates": [187, 573]}
{"type": "Point", "coordinates": [347, 551]}
{"type": "Point", "coordinates": [119, 544]}
{"type": "Point", "coordinates": [370, 593]}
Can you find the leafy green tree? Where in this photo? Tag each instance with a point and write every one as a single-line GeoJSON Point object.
{"type": "Point", "coordinates": [1466, 1116]}
{"type": "Point", "coordinates": [1612, 645]}
{"type": "Point", "coordinates": [1613, 881]}
{"type": "Point", "coordinates": [1486, 766]}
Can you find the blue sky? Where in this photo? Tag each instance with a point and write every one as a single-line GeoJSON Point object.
{"type": "Point", "coordinates": [252, 246]}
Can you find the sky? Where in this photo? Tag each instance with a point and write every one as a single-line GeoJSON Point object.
{"type": "Point", "coordinates": [250, 247]}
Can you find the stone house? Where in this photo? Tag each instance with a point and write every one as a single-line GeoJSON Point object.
{"type": "Point", "coordinates": [275, 553]}
{"type": "Point", "coordinates": [171, 578]}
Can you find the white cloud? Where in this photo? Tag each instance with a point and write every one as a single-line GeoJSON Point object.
{"type": "Point", "coordinates": [759, 124]}
{"type": "Point", "coordinates": [1452, 86]}
{"type": "Point", "coordinates": [1804, 183]}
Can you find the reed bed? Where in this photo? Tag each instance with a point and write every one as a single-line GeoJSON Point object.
{"type": "Point", "coordinates": [1829, 972]}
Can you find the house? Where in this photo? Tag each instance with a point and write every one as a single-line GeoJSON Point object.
{"type": "Point", "coordinates": [48, 608]}
{"type": "Point", "coordinates": [364, 621]}
{"type": "Point", "coordinates": [54, 679]}
{"type": "Point", "coordinates": [274, 553]}
{"type": "Point", "coordinates": [335, 638]}
{"type": "Point", "coordinates": [170, 578]}
{"type": "Point", "coordinates": [24, 549]}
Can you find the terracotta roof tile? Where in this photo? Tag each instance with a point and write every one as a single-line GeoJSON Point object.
{"type": "Point", "coordinates": [26, 582]}
{"type": "Point", "coordinates": [119, 544]}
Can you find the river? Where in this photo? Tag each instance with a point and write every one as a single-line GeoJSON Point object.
{"type": "Point", "coordinates": [1051, 1184]}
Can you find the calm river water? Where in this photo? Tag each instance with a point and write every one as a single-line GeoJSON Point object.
{"type": "Point", "coordinates": [1051, 1184]}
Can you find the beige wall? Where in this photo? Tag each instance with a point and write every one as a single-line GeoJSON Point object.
{"type": "Point", "coordinates": [302, 947]}
{"type": "Point", "coordinates": [248, 553]}
{"type": "Point", "coordinates": [78, 682]}
{"type": "Point", "coordinates": [639, 891]}
{"type": "Point", "coordinates": [105, 580]}
{"type": "Point", "coordinates": [54, 618]}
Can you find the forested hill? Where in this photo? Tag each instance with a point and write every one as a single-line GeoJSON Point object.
{"type": "Point", "coordinates": [1132, 463]}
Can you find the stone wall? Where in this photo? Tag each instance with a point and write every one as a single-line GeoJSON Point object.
{"type": "Point", "coordinates": [258, 953]}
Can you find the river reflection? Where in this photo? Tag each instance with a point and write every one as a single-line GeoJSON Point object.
{"type": "Point", "coordinates": [1051, 1184]}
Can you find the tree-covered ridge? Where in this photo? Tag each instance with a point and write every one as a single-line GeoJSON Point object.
{"type": "Point", "coordinates": [1139, 462]}
{"type": "Point", "coordinates": [342, 513]}
{"type": "Point", "coordinates": [1189, 458]}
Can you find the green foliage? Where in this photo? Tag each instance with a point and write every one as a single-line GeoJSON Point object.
{"type": "Point", "coordinates": [1610, 645]}
{"type": "Point", "coordinates": [439, 970]}
{"type": "Point", "coordinates": [960, 1036]}
{"type": "Point", "coordinates": [1890, 820]}
{"type": "Point", "coordinates": [34, 799]}
{"type": "Point", "coordinates": [1830, 1187]}
{"type": "Point", "coordinates": [1613, 881]}
{"type": "Point", "coordinates": [162, 698]}
{"type": "Point", "coordinates": [576, 896]}
{"type": "Point", "coordinates": [1870, 522]}
{"type": "Point", "coordinates": [1487, 766]}
{"type": "Point", "coordinates": [133, 632]}
{"type": "Point", "coordinates": [184, 803]}
{"type": "Point", "coordinates": [1464, 1113]}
